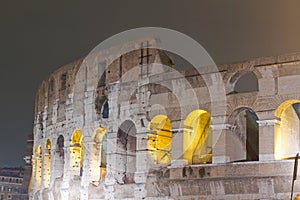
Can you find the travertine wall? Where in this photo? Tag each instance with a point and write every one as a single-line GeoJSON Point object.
{"type": "Point", "coordinates": [135, 95]}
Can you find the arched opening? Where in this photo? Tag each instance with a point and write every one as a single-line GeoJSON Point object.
{"type": "Point", "coordinates": [38, 175]}
{"type": "Point", "coordinates": [47, 164]}
{"type": "Point", "coordinates": [287, 137]}
{"type": "Point", "coordinates": [197, 138]}
{"type": "Point", "coordinates": [51, 87]}
{"type": "Point", "coordinates": [243, 144]}
{"type": "Point", "coordinates": [160, 139]}
{"type": "Point", "coordinates": [126, 148]}
{"type": "Point", "coordinates": [243, 81]}
{"type": "Point", "coordinates": [77, 152]}
{"type": "Point", "coordinates": [59, 157]}
{"type": "Point", "coordinates": [98, 155]}
{"type": "Point", "coordinates": [105, 109]}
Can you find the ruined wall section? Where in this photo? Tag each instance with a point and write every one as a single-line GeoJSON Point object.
{"type": "Point", "coordinates": [52, 95]}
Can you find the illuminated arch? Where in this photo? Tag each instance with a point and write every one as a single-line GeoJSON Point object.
{"type": "Point", "coordinates": [160, 139]}
{"type": "Point", "coordinates": [77, 137]}
{"type": "Point", "coordinates": [197, 142]}
{"type": "Point", "coordinates": [77, 152]}
{"type": "Point", "coordinates": [39, 151]}
{"type": "Point", "coordinates": [286, 133]}
{"type": "Point", "coordinates": [285, 105]}
{"type": "Point", "coordinates": [98, 155]}
{"type": "Point", "coordinates": [47, 164]}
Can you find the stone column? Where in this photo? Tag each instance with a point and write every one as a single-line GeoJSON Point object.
{"type": "Point", "coordinates": [39, 176]}
{"type": "Point", "coordinates": [267, 137]}
{"type": "Point", "coordinates": [143, 163]}
{"type": "Point", "coordinates": [178, 148]}
{"type": "Point", "coordinates": [64, 190]}
{"type": "Point", "coordinates": [86, 166]}
{"type": "Point", "coordinates": [111, 157]}
{"type": "Point", "coordinates": [220, 132]}
{"type": "Point", "coordinates": [54, 166]}
{"type": "Point", "coordinates": [46, 168]}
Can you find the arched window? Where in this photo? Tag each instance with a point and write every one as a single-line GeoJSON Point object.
{"type": "Point", "coordinates": [105, 110]}
{"type": "Point", "coordinates": [59, 157]}
{"type": "Point", "coordinates": [242, 144]}
{"type": "Point", "coordinates": [77, 152]}
{"type": "Point", "coordinates": [126, 148]}
{"type": "Point", "coordinates": [98, 155]}
{"type": "Point", "coordinates": [63, 81]}
{"type": "Point", "coordinates": [51, 87]}
{"type": "Point", "coordinates": [243, 81]}
{"type": "Point", "coordinates": [160, 139]}
{"type": "Point", "coordinates": [197, 138]}
{"type": "Point", "coordinates": [287, 133]}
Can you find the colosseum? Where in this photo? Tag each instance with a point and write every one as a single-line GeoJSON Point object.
{"type": "Point", "coordinates": [147, 125]}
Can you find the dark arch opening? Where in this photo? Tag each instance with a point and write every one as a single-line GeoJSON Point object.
{"type": "Point", "coordinates": [126, 144]}
{"type": "Point", "coordinates": [244, 143]}
{"type": "Point", "coordinates": [246, 82]}
{"type": "Point", "coordinates": [59, 157]}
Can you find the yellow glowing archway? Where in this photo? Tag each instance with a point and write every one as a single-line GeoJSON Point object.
{"type": "Point", "coordinates": [97, 169]}
{"type": "Point", "coordinates": [286, 133]}
{"type": "Point", "coordinates": [77, 152]}
{"type": "Point", "coordinates": [197, 137]}
{"type": "Point", "coordinates": [77, 137]}
{"type": "Point", "coordinates": [160, 140]}
{"type": "Point", "coordinates": [285, 105]}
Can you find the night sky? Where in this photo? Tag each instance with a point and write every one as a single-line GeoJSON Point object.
{"type": "Point", "coordinates": [37, 37]}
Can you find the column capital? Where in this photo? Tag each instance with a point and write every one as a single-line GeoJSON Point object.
{"type": "Point", "coordinates": [268, 122]}
{"type": "Point", "coordinates": [223, 127]}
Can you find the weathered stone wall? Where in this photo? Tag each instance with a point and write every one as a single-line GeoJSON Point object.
{"type": "Point", "coordinates": [136, 95]}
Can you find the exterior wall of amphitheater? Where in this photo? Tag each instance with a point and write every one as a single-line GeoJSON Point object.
{"type": "Point", "coordinates": [71, 123]}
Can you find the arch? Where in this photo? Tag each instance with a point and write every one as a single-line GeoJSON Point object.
{"type": "Point", "coordinates": [243, 143]}
{"type": "Point", "coordinates": [160, 139]}
{"type": "Point", "coordinates": [286, 133]}
{"type": "Point", "coordinates": [98, 155]}
{"type": "Point", "coordinates": [47, 164]}
{"type": "Point", "coordinates": [51, 87]}
{"type": "Point", "coordinates": [77, 152]}
{"type": "Point", "coordinates": [126, 148]}
{"type": "Point", "coordinates": [39, 151]}
{"type": "Point", "coordinates": [60, 145]}
{"type": "Point", "coordinates": [285, 105]}
{"type": "Point", "coordinates": [242, 81]}
{"type": "Point", "coordinates": [197, 142]}
{"type": "Point", "coordinates": [105, 110]}
{"type": "Point", "coordinates": [59, 156]}
{"type": "Point", "coordinates": [77, 137]}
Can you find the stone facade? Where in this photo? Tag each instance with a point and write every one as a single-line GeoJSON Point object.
{"type": "Point", "coordinates": [132, 127]}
